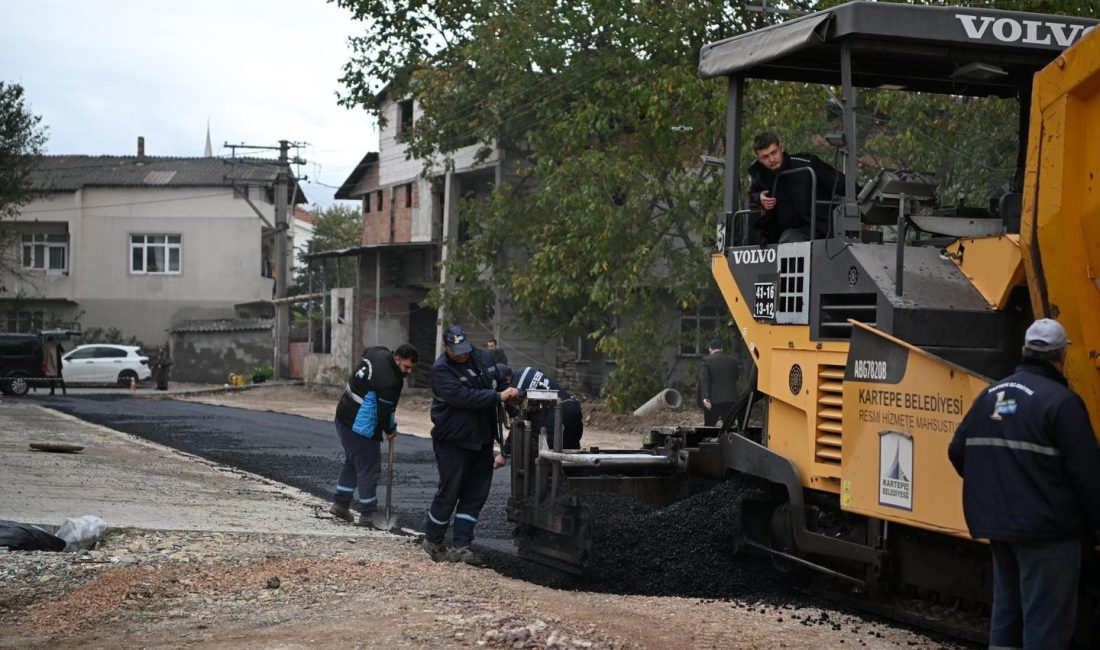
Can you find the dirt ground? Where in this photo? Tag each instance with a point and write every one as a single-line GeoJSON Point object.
{"type": "Point", "coordinates": [371, 589]}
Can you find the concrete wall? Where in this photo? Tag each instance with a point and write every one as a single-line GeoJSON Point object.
{"type": "Point", "coordinates": [318, 368]}
{"type": "Point", "coordinates": [343, 353]}
{"type": "Point", "coordinates": [209, 357]}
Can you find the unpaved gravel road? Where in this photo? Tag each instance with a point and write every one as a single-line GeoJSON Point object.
{"type": "Point", "coordinates": [326, 588]}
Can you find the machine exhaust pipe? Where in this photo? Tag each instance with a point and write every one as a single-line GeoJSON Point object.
{"type": "Point", "coordinates": [668, 398]}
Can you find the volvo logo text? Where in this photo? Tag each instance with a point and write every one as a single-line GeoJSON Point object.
{"type": "Point", "coordinates": [1032, 32]}
{"type": "Point", "coordinates": [753, 256]}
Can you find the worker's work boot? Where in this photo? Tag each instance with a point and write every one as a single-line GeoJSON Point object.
{"type": "Point", "coordinates": [466, 555]}
{"type": "Point", "coordinates": [341, 512]}
{"type": "Point", "coordinates": [436, 550]}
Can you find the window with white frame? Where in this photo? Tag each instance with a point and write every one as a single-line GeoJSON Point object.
{"type": "Point", "coordinates": [155, 253]}
{"type": "Point", "coordinates": [46, 252]}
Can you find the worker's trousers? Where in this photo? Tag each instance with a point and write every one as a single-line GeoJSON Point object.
{"type": "Point", "coordinates": [465, 477]}
{"type": "Point", "coordinates": [362, 468]}
{"type": "Point", "coordinates": [1034, 594]}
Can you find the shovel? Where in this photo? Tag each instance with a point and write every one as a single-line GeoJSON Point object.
{"type": "Point", "coordinates": [389, 485]}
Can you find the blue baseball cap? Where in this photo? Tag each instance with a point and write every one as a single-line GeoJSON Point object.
{"type": "Point", "coordinates": [456, 340]}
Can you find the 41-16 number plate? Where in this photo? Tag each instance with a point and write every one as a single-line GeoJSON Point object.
{"type": "Point", "coordinates": [763, 300]}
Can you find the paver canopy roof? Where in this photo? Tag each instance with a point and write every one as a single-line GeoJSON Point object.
{"type": "Point", "coordinates": [918, 47]}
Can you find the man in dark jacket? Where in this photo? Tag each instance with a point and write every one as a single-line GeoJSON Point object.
{"type": "Point", "coordinates": [494, 350]}
{"type": "Point", "coordinates": [787, 201]}
{"type": "Point", "coordinates": [466, 394]}
{"type": "Point", "coordinates": [717, 383]}
{"type": "Point", "coordinates": [572, 418]}
{"type": "Point", "coordinates": [366, 412]}
{"type": "Point", "coordinates": [1031, 485]}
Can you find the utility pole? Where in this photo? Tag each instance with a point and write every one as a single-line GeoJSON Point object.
{"type": "Point", "coordinates": [284, 197]}
{"type": "Point", "coordinates": [282, 307]}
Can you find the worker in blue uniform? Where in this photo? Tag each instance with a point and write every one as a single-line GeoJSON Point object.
{"type": "Point", "coordinates": [1030, 464]}
{"type": "Point", "coordinates": [365, 413]}
{"type": "Point", "coordinates": [542, 417]}
{"type": "Point", "coordinates": [467, 392]}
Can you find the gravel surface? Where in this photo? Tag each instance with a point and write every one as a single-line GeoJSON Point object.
{"type": "Point", "coordinates": [189, 589]}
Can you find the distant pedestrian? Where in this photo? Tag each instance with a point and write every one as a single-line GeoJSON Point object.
{"type": "Point", "coordinates": [161, 366]}
{"type": "Point", "coordinates": [1031, 485]}
{"type": "Point", "coordinates": [717, 383]}
{"type": "Point", "coordinates": [497, 354]}
{"type": "Point", "coordinates": [365, 412]}
{"type": "Point", "coordinates": [51, 353]}
{"type": "Point", "coordinates": [542, 416]}
{"type": "Point", "coordinates": [467, 393]}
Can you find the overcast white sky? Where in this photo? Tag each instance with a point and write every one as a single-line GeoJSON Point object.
{"type": "Point", "coordinates": [103, 72]}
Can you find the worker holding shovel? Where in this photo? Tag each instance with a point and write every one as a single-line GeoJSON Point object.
{"type": "Point", "coordinates": [364, 414]}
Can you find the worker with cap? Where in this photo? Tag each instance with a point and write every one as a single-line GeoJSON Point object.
{"type": "Point", "coordinates": [367, 411]}
{"type": "Point", "coordinates": [1030, 464]}
{"type": "Point", "coordinates": [467, 391]}
{"type": "Point", "coordinates": [540, 416]}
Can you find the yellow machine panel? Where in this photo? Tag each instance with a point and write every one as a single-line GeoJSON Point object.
{"type": "Point", "coordinates": [901, 409]}
{"type": "Point", "coordinates": [1060, 224]}
{"type": "Point", "coordinates": [803, 380]}
{"type": "Point", "coordinates": [993, 264]}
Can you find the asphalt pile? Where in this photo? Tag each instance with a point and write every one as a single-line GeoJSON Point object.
{"type": "Point", "coordinates": [684, 549]}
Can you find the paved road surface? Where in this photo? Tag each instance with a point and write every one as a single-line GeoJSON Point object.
{"type": "Point", "coordinates": [291, 449]}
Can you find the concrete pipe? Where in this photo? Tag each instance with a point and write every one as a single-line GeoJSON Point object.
{"type": "Point", "coordinates": [669, 399]}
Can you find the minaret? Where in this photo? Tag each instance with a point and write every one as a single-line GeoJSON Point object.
{"type": "Point", "coordinates": [208, 152]}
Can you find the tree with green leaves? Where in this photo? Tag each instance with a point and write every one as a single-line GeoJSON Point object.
{"type": "Point", "coordinates": [334, 228]}
{"type": "Point", "coordinates": [21, 140]}
{"type": "Point", "coordinates": [607, 221]}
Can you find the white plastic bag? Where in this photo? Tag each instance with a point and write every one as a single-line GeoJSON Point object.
{"type": "Point", "coordinates": [82, 532]}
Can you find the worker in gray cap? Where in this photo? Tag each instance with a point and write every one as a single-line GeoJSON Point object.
{"type": "Point", "coordinates": [1030, 464]}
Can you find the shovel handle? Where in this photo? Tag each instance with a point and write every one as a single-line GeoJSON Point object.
{"type": "Point", "coordinates": [389, 478]}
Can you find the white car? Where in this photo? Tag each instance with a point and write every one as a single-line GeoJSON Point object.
{"type": "Point", "coordinates": [103, 363]}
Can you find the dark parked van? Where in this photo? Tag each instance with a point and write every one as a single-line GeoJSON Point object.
{"type": "Point", "coordinates": [21, 362]}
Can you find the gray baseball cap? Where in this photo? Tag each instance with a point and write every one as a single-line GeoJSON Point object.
{"type": "Point", "coordinates": [1044, 335]}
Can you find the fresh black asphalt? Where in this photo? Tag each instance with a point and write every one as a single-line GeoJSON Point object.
{"type": "Point", "coordinates": [295, 450]}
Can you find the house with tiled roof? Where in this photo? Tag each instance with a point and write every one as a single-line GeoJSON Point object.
{"type": "Point", "coordinates": [143, 243]}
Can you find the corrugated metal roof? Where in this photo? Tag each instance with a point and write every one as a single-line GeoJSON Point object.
{"type": "Point", "coordinates": [71, 173]}
{"type": "Point", "coordinates": [225, 325]}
